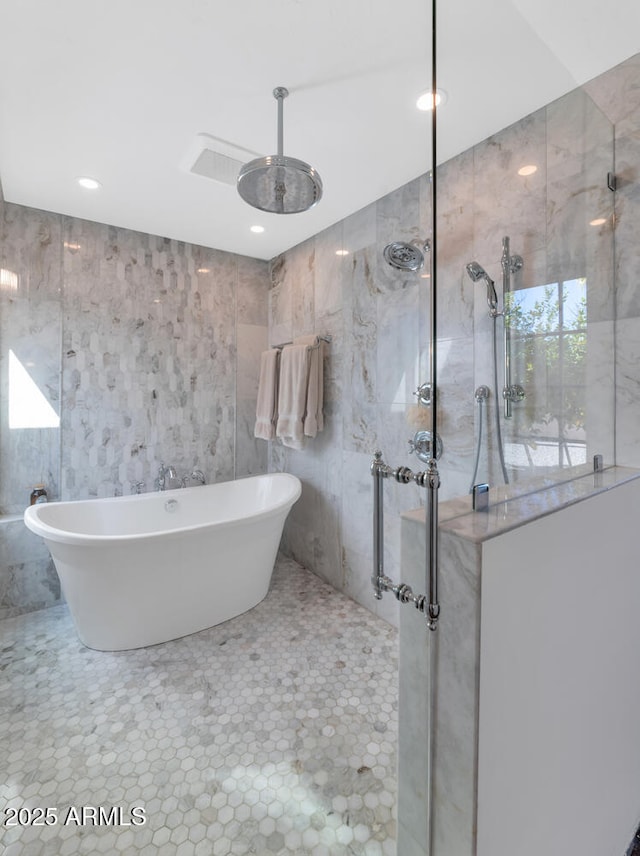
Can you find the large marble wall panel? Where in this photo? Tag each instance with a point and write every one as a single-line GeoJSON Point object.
{"type": "Point", "coordinates": [360, 366]}
{"type": "Point", "coordinates": [579, 157]}
{"type": "Point", "coordinates": [627, 381]}
{"type": "Point", "coordinates": [252, 291]}
{"type": "Point", "coordinates": [622, 95]}
{"type": "Point", "coordinates": [601, 395]}
{"type": "Point", "coordinates": [339, 284]}
{"type": "Point", "coordinates": [453, 654]}
{"type": "Point", "coordinates": [456, 292]}
{"type": "Point", "coordinates": [252, 319]}
{"type": "Point", "coordinates": [30, 327]}
{"type": "Point", "coordinates": [28, 580]}
{"type": "Point", "coordinates": [250, 453]}
{"type": "Point", "coordinates": [627, 261]}
{"type": "Point", "coordinates": [458, 414]}
{"type": "Point", "coordinates": [328, 263]}
{"type": "Point", "coordinates": [617, 94]}
{"type": "Point", "coordinates": [506, 203]}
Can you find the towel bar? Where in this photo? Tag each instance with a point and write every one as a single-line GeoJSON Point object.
{"type": "Point", "coordinates": [325, 338]}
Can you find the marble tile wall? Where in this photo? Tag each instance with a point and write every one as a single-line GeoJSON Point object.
{"type": "Point", "coordinates": [150, 357]}
{"type": "Point", "coordinates": [31, 327]}
{"type": "Point", "coordinates": [147, 348]}
{"type": "Point", "coordinates": [28, 579]}
{"type": "Point", "coordinates": [379, 321]}
{"type": "Point", "coordinates": [372, 367]}
{"type": "Point", "coordinates": [547, 216]}
{"type": "Point", "coordinates": [617, 93]}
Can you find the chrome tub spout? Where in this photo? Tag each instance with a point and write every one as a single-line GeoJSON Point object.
{"type": "Point", "coordinates": [165, 473]}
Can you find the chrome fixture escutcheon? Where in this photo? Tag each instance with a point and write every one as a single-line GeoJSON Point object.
{"type": "Point", "coordinates": [515, 392]}
{"type": "Point", "coordinates": [421, 446]}
{"type": "Point", "coordinates": [424, 394]}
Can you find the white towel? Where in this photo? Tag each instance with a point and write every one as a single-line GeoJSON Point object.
{"type": "Point", "coordinates": [267, 404]}
{"type": "Point", "coordinates": [292, 395]}
{"type": "Point", "coordinates": [313, 418]}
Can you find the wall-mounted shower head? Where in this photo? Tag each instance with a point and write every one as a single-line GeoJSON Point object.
{"type": "Point", "coordinates": [477, 273]}
{"type": "Point", "coordinates": [404, 256]}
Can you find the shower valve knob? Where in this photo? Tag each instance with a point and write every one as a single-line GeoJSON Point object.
{"type": "Point", "coordinates": [424, 394]}
{"type": "Point", "coordinates": [515, 392]}
{"type": "Point", "coordinates": [421, 446]}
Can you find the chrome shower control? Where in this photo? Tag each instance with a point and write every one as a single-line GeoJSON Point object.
{"type": "Point", "coordinates": [515, 392]}
{"type": "Point", "coordinates": [424, 394]}
{"type": "Point", "coordinates": [421, 445]}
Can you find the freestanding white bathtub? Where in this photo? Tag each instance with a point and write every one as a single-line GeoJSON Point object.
{"type": "Point", "coordinates": [138, 570]}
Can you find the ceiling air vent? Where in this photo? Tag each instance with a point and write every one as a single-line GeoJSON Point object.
{"type": "Point", "coordinates": [216, 159]}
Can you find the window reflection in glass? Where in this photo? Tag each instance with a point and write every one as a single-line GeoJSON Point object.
{"type": "Point", "coordinates": [548, 326]}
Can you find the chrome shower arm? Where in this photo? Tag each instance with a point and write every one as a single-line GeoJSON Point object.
{"type": "Point", "coordinates": [280, 93]}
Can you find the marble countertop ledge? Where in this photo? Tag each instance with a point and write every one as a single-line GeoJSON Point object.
{"type": "Point", "coordinates": [510, 507]}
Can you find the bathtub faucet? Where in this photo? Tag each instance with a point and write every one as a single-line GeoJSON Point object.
{"type": "Point", "coordinates": [194, 475]}
{"type": "Point", "coordinates": [165, 473]}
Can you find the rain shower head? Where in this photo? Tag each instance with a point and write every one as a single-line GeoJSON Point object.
{"type": "Point", "coordinates": [406, 256]}
{"type": "Point", "coordinates": [279, 184]}
{"type": "Point", "coordinates": [478, 273]}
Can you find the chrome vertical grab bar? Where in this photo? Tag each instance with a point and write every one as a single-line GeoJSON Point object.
{"type": "Point", "coordinates": [427, 604]}
{"type": "Point", "coordinates": [432, 545]}
{"type": "Point", "coordinates": [505, 261]}
{"type": "Point", "coordinates": [378, 468]}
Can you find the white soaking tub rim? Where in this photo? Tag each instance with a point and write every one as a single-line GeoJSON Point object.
{"type": "Point", "coordinates": [33, 514]}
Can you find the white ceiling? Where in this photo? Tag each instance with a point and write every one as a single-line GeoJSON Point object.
{"type": "Point", "coordinates": [120, 89]}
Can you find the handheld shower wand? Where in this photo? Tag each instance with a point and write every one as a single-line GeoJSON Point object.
{"type": "Point", "coordinates": [477, 273]}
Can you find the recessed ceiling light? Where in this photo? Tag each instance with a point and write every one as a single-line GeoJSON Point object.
{"type": "Point", "coordinates": [89, 183]}
{"type": "Point", "coordinates": [203, 270]}
{"type": "Point", "coordinates": [257, 229]}
{"type": "Point", "coordinates": [529, 169]}
{"type": "Point", "coordinates": [425, 99]}
{"type": "Point", "coordinates": [342, 252]}
{"type": "Point", "coordinates": [599, 221]}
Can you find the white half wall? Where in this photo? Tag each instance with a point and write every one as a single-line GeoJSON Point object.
{"type": "Point", "coordinates": [559, 722]}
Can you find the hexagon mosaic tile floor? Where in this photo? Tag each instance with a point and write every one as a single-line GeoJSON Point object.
{"type": "Point", "coordinates": [273, 733]}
